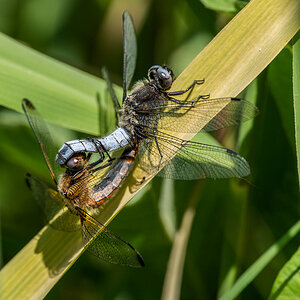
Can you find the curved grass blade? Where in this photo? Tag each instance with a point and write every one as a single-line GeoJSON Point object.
{"type": "Point", "coordinates": [287, 282]}
{"type": "Point", "coordinates": [250, 274]}
{"type": "Point", "coordinates": [296, 96]}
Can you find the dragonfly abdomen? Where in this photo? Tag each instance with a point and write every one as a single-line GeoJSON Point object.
{"type": "Point", "coordinates": [116, 140]}
{"type": "Point", "coordinates": [107, 187]}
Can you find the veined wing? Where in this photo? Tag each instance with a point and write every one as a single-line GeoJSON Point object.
{"type": "Point", "coordinates": [52, 205]}
{"type": "Point", "coordinates": [192, 161]}
{"type": "Point", "coordinates": [112, 93]}
{"type": "Point", "coordinates": [130, 51]}
{"type": "Point", "coordinates": [203, 114]}
{"type": "Point", "coordinates": [43, 137]}
{"type": "Point", "coordinates": [99, 185]}
{"type": "Point", "coordinates": [129, 62]}
{"type": "Point", "coordinates": [106, 245]}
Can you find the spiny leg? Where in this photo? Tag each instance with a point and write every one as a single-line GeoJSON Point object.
{"type": "Point", "coordinates": [176, 93]}
{"type": "Point", "coordinates": [102, 167]}
{"type": "Point", "coordinates": [99, 147]}
{"type": "Point", "coordinates": [157, 145]}
{"type": "Point", "coordinates": [192, 101]}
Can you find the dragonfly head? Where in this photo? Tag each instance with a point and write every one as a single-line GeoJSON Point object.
{"type": "Point", "coordinates": [77, 161]}
{"type": "Point", "coordinates": [161, 76]}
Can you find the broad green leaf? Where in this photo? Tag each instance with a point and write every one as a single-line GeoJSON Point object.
{"type": "Point", "coordinates": [287, 283]}
{"type": "Point", "coordinates": [64, 95]}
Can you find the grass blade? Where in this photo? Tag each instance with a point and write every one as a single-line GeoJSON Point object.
{"type": "Point", "coordinates": [59, 91]}
{"type": "Point", "coordinates": [296, 95]}
{"type": "Point", "coordinates": [173, 277]}
{"type": "Point", "coordinates": [287, 285]}
{"type": "Point", "coordinates": [261, 263]}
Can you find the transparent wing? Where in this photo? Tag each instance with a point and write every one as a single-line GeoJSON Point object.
{"type": "Point", "coordinates": [95, 187]}
{"type": "Point", "coordinates": [192, 161]}
{"type": "Point", "coordinates": [104, 116]}
{"type": "Point", "coordinates": [130, 51]}
{"type": "Point", "coordinates": [106, 245]}
{"type": "Point", "coordinates": [52, 205]}
{"type": "Point", "coordinates": [98, 185]}
{"type": "Point", "coordinates": [204, 114]}
{"type": "Point", "coordinates": [43, 137]}
{"type": "Point", "coordinates": [112, 93]}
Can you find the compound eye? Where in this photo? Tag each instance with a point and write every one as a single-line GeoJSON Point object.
{"type": "Point", "coordinates": [75, 162]}
{"type": "Point", "coordinates": [165, 77]}
{"type": "Point", "coordinates": [152, 72]}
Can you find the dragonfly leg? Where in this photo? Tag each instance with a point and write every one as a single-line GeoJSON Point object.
{"type": "Point", "coordinates": [189, 89]}
{"type": "Point", "coordinates": [157, 145]}
{"type": "Point", "coordinates": [194, 100]}
{"type": "Point", "coordinates": [103, 166]}
{"type": "Point", "coordinates": [91, 166]}
{"type": "Point", "coordinates": [99, 146]}
{"type": "Point", "coordinates": [176, 93]}
{"type": "Point", "coordinates": [160, 154]}
{"type": "Point", "coordinates": [95, 163]}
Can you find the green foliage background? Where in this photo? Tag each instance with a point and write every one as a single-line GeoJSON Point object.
{"type": "Point", "coordinates": [236, 221]}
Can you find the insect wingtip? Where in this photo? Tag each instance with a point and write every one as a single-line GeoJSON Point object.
{"type": "Point", "coordinates": [140, 260]}
{"type": "Point", "coordinates": [231, 152]}
{"type": "Point", "coordinates": [27, 104]}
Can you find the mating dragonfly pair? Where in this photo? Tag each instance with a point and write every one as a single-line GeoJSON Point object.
{"type": "Point", "coordinates": [149, 116]}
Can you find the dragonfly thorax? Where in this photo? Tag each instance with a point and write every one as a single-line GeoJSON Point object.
{"type": "Point", "coordinates": [138, 106]}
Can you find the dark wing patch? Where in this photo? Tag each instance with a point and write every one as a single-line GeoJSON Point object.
{"type": "Point", "coordinates": [106, 245]}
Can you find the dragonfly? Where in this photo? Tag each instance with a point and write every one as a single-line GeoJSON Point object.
{"type": "Point", "coordinates": [71, 196]}
{"type": "Point", "coordinates": [151, 116]}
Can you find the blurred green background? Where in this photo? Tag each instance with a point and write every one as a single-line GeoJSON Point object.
{"type": "Point", "coordinates": [235, 221]}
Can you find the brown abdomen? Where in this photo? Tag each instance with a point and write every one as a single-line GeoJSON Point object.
{"type": "Point", "coordinates": [107, 187]}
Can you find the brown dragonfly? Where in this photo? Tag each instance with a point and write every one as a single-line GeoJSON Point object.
{"type": "Point", "coordinates": [75, 189]}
